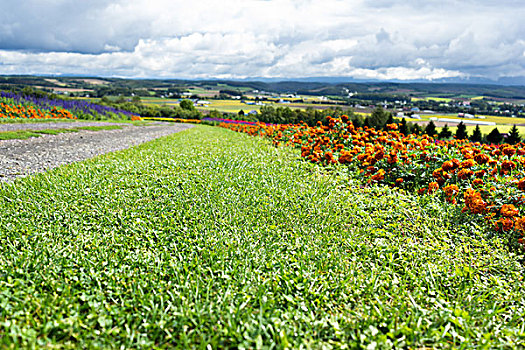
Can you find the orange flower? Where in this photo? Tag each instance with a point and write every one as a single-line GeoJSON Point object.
{"type": "Point", "coordinates": [469, 163]}
{"type": "Point", "coordinates": [433, 187]}
{"type": "Point", "coordinates": [464, 174]}
{"type": "Point", "coordinates": [480, 173]}
{"type": "Point", "coordinates": [438, 173]}
{"type": "Point", "coordinates": [379, 176]}
{"type": "Point", "coordinates": [451, 190]}
{"type": "Point", "coordinates": [379, 155]}
{"type": "Point", "coordinates": [474, 202]}
{"type": "Point", "coordinates": [509, 210]}
{"type": "Point", "coordinates": [508, 165]}
{"type": "Point", "coordinates": [448, 165]}
{"type": "Point", "coordinates": [477, 182]}
{"type": "Point", "coordinates": [481, 158]}
{"type": "Point", "coordinates": [329, 156]}
{"type": "Point", "coordinates": [519, 224]}
{"type": "Point", "coordinates": [509, 151]}
{"type": "Point", "coordinates": [504, 224]}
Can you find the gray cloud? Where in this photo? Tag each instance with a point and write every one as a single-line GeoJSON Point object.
{"type": "Point", "coordinates": [381, 39]}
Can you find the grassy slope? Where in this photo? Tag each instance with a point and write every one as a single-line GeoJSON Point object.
{"type": "Point", "coordinates": [208, 236]}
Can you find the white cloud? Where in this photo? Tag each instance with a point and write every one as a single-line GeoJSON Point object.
{"type": "Point", "coordinates": [277, 38]}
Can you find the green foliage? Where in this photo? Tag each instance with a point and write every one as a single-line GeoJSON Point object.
{"type": "Point", "coordinates": [494, 136]}
{"type": "Point", "coordinates": [416, 129]}
{"type": "Point", "coordinates": [285, 115]}
{"type": "Point", "coordinates": [430, 129]}
{"type": "Point", "coordinates": [212, 238]}
{"type": "Point", "coordinates": [461, 131]}
{"type": "Point", "coordinates": [18, 134]}
{"type": "Point", "coordinates": [367, 122]}
{"type": "Point", "coordinates": [514, 136]}
{"type": "Point", "coordinates": [390, 120]}
{"type": "Point", "coordinates": [476, 135]}
{"type": "Point", "coordinates": [379, 118]}
{"type": "Point", "coordinates": [187, 105]}
{"type": "Point", "coordinates": [185, 110]}
{"type": "Point", "coordinates": [445, 133]}
{"type": "Point", "coordinates": [403, 127]}
{"type": "Point", "coordinates": [215, 114]}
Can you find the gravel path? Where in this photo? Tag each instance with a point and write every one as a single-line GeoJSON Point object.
{"type": "Point", "coordinates": [20, 158]}
{"type": "Point", "coordinates": [51, 125]}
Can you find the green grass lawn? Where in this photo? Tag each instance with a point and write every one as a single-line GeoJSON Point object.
{"type": "Point", "coordinates": [213, 237]}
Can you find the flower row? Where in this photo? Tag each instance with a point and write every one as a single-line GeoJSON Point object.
{"type": "Point", "coordinates": [488, 181]}
{"type": "Point", "coordinates": [12, 111]}
{"type": "Point", "coordinates": [81, 109]}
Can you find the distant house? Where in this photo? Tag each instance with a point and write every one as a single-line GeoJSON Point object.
{"type": "Point", "coordinates": [400, 115]}
{"type": "Point", "coordinates": [415, 116]}
{"type": "Point", "coordinates": [202, 103]}
{"type": "Point", "coordinates": [415, 109]}
{"type": "Point", "coordinates": [252, 112]}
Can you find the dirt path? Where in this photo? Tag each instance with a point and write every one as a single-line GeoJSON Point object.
{"type": "Point", "coordinates": [20, 158]}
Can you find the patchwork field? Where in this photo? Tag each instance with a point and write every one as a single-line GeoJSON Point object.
{"type": "Point", "coordinates": [214, 238]}
{"type": "Point", "coordinates": [233, 106]}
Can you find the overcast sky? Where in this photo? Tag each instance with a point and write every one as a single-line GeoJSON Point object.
{"type": "Point", "coordinates": [368, 39]}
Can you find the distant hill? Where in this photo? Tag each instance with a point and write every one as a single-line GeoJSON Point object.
{"type": "Point", "coordinates": [333, 86]}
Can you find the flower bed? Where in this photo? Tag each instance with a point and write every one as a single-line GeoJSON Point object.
{"type": "Point", "coordinates": [488, 181]}
{"type": "Point", "coordinates": [81, 109]}
{"type": "Point", "coordinates": [13, 111]}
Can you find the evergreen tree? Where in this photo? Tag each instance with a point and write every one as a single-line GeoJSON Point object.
{"type": "Point", "coordinates": [379, 118]}
{"type": "Point", "coordinates": [416, 129]}
{"type": "Point", "coordinates": [358, 121]}
{"type": "Point", "coordinates": [476, 135]}
{"type": "Point", "coordinates": [430, 129]}
{"type": "Point", "coordinates": [514, 136]}
{"type": "Point", "coordinates": [461, 132]}
{"type": "Point", "coordinates": [390, 120]}
{"type": "Point", "coordinates": [366, 122]}
{"type": "Point", "coordinates": [403, 127]}
{"type": "Point", "coordinates": [494, 136]}
{"type": "Point", "coordinates": [445, 133]}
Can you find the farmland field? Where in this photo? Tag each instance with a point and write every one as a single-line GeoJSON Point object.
{"type": "Point", "coordinates": [233, 106]}
{"type": "Point", "coordinates": [485, 129]}
{"type": "Point", "coordinates": [213, 237]}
